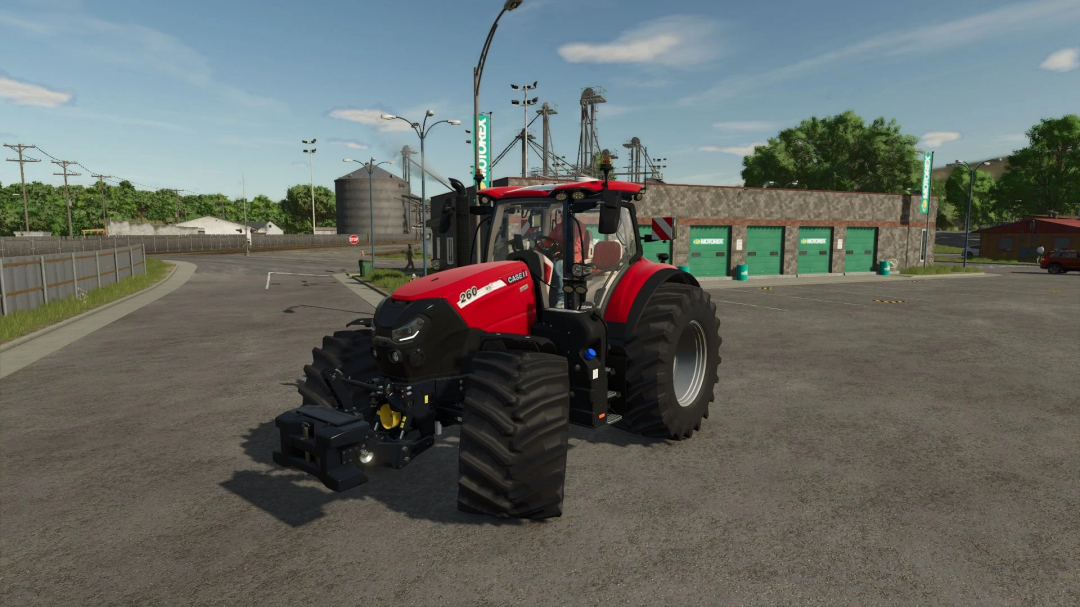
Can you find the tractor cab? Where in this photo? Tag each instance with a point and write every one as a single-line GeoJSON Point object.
{"type": "Point", "coordinates": [558, 228]}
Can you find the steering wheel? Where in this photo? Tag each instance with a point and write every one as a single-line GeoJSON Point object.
{"type": "Point", "coordinates": [554, 251]}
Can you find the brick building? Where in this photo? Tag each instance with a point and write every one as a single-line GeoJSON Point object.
{"type": "Point", "coordinates": [1019, 240]}
{"type": "Point", "coordinates": [773, 231]}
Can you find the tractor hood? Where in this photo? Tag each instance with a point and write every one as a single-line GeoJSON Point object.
{"type": "Point", "coordinates": [496, 297]}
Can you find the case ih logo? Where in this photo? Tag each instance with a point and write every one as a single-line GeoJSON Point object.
{"type": "Point", "coordinates": [516, 277]}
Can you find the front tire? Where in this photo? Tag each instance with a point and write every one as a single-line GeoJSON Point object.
{"type": "Point", "coordinates": [349, 351]}
{"type": "Point", "coordinates": [671, 363]}
{"type": "Point", "coordinates": [1056, 268]}
{"type": "Point", "coordinates": [514, 435]}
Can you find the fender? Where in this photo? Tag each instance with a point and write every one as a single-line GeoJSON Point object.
{"type": "Point", "coordinates": [634, 290]}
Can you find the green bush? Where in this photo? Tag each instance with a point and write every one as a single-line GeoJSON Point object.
{"type": "Point", "coordinates": [944, 248]}
{"type": "Point", "coordinates": [24, 322]}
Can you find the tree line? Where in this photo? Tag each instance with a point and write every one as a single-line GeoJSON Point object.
{"type": "Point", "coordinates": [91, 205]}
{"type": "Point", "coordinates": [844, 153]}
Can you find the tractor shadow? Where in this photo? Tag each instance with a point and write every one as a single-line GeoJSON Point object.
{"type": "Point", "coordinates": [425, 490]}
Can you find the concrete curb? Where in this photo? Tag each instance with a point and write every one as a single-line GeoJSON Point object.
{"type": "Point", "coordinates": [63, 323]}
{"type": "Point", "coordinates": [956, 275]}
{"type": "Point", "coordinates": [367, 284]}
{"type": "Point", "coordinates": [372, 296]}
{"type": "Point", "coordinates": [44, 343]}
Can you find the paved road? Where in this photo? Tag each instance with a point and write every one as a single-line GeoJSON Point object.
{"type": "Point", "coordinates": [955, 239]}
{"type": "Point", "coordinates": [860, 453]}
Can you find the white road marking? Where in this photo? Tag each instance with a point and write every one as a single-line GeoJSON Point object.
{"type": "Point", "coordinates": [293, 274]}
{"type": "Point", "coordinates": [751, 305]}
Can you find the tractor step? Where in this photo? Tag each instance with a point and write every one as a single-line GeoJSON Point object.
{"type": "Point", "coordinates": [612, 418]}
{"type": "Point", "coordinates": [612, 395]}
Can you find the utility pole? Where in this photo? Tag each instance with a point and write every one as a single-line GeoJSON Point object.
{"type": "Point", "coordinates": [18, 147]}
{"type": "Point", "coordinates": [247, 228]}
{"type": "Point", "coordinates": [525, 103]}
{"type": "Point", "coordinates": [311, 169]}
{"type": "Point", "coordinates": [101, 188]}
{"type": "Point", "coordinates": [67, 197]}
{"type": "Point", "coordinates": [176, 195]}
{"type": "Point", "coordinates": [545, 111]}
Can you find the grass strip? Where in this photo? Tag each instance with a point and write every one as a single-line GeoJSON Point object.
{"type": "Point", "coordinates": [944, 248]}
{"type": "Point", "coordinates": [24, 322]}
{"type": "Point", "coordinates": [943, 269]}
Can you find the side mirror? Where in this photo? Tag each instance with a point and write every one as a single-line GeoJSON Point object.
{"type": "Point", "coordinates": [610, 213]}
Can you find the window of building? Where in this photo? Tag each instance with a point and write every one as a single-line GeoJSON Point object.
{"type": "Point", "coordinates": [1005, 244]}
{"type": "Point", "coordinates": [1061, 243]}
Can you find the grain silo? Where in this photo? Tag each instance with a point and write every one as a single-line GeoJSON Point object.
{"type": "Point", "coordinates": [394, 206]}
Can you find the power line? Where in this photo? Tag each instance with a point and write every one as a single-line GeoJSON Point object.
{"type": "Point", "coordinates": [67, 198]}
{"type": "Point", "coordinates": [20, 148]}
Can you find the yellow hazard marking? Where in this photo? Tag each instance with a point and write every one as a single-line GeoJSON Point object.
{"type": "Point", "coordinates": [425, 399]}
{"type": "Point", "coordinates": [1053, 291]}
{"type": "Point", "coordinates": [388, 417]}
{"type": "Point", "coordinates": [766, 288]}
{"type": "Point", "coordinates": [890, 301]}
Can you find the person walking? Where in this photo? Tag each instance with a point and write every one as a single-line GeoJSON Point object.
{"type": "Point", "coordinates": [409, 259]}
{"type": "Point", "coordinates": [1039, 252]}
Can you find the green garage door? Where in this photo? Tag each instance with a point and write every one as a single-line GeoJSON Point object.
{"type": "Point", "coordinates": [652, 249]}
{"type": "Point", "coordinates": [709, 248]}
{"type": "Point", "coordinates": [859, 249]}
{"type": "Point", "coordinates": [814, 247]}
{"type": "Point", "coordinates": [763, 247]}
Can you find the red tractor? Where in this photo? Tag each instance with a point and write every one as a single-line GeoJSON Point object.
{"type": "Point", "coordinates": [541, 335]}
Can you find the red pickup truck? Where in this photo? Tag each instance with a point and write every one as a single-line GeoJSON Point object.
{"type": "Point", "coordinates": [1060, 262]}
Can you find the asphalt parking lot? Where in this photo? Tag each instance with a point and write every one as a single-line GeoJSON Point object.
{"type": "Point", "coordinates": [859, 452]}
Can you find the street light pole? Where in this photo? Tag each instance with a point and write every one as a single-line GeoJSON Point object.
{"type": "Point", "coordinates": [478, 73]}
{"type": "Point", "coordinates": [971, 190]}
{"type": "Point", "coordinates": [422, 129]}
{"type": "Point", "coordinates": [525, 103]}
{"type": "Point", "coordinates": [311, 170]}
{"type": "Point", "coordinates": [371, 201]}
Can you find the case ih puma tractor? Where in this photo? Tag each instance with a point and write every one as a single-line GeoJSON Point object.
{"type": "Point", "coordinates": [563, 323]}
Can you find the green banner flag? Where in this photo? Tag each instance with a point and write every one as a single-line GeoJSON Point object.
{"type": "Point", "coordinates": [482, 139]}
{"type": "Point", "coordinates": [928, 164]}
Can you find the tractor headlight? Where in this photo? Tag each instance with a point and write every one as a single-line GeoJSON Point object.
{"type": "Point", "coordinates": [578, 270]}
{"type": "Point", "coordinates": [578, 195]}
{"type": "Point", "coordinates": [560, 196]}
{"type": "Point", "coordinates": [638, 196]}
{"type": "Point", "coordinates": [408, 331]}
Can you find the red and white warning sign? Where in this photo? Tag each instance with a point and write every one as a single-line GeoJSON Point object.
{"type": "Point", "coordinates": [354, 239]}
{"type": "Point", "coordinates": [663, 228]}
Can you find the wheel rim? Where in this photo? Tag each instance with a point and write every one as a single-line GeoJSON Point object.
{"type": "Point", "coordinates": [688, 369]}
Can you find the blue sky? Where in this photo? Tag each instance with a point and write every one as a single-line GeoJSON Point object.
{"type": "Point", "coordinates": [193, 94]}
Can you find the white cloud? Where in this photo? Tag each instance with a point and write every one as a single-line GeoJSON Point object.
{"type": "Point", "coordinates": [1065, 60]}
{"type": "Point", "coordinates": [675, 41]}
{"type": "Point", "coordinates": [747, 125]}
{"type": "Point", "coordinates": [136, 47]}
{"type": "Point", "coordinates": [738, 150]}
{"type": "Point", "coordinates": [24, 93]}
{"type": "Point", "coordinates": [370, 118]}
{"type": "Point", "coordinates": [934, 139]}
{"type": "Point", "coordinates": [352, 144]}
{"type": "Point", "coordinates": [996, 24]}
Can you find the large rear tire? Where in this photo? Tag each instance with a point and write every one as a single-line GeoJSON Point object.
{"type": "Point", "coordinates": [349, 351]}
{"type": "Point", "coordinates": [514, 434]}
{"type": "Point", "coordinates": [672, 357]}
